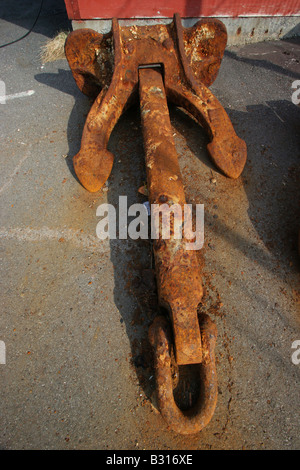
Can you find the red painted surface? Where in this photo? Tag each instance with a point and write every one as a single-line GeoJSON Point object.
{"type": "Point", "coordinates": [91, 9]}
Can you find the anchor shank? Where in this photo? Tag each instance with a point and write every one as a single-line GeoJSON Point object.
{"type": "Point", "coordinates": [177, 269]}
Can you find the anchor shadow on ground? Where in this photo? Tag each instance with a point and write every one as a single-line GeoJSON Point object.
{"type": "Point", "coordinates": [270, 178]}
{"type": "Point", "coordinates": [134, 283]}
{"type": "Point", "coordinates": [47, 17]}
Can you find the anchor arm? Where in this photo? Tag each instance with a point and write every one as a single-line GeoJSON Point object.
{"type": "Point", "coordinates": [227, 150]}
{"type": "Point", "coordinates": [93, 163]}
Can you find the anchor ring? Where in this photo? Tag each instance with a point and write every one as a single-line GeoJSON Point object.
{"type": "Point", "coordinates": [193, 420]}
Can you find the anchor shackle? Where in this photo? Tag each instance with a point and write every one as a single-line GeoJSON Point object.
{"type": "Point", "coordinates": [196, 418]}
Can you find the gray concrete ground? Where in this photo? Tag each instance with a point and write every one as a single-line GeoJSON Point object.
{"type": "Point", "coordinates": [75, 311]}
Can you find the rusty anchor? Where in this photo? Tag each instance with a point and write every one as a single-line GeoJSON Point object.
{"type": "Point", "coordinates": [155, 64]}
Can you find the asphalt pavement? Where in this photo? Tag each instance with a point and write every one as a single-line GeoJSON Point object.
{"type": "Point", "coordinates": [75, 310]}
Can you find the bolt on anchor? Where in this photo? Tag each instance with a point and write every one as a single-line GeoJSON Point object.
{"type": "Point", "coordinates": [156, 64]}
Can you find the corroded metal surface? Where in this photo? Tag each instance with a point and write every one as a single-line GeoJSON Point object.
{"type": "Point", "coordinates": [116, 69]}
{"type": "Point", "coordinates": [196, 418]}
{"type": "Point", "coordinates": [177, 270]}
{"type": "Point", "coordinates": [109, 63]}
